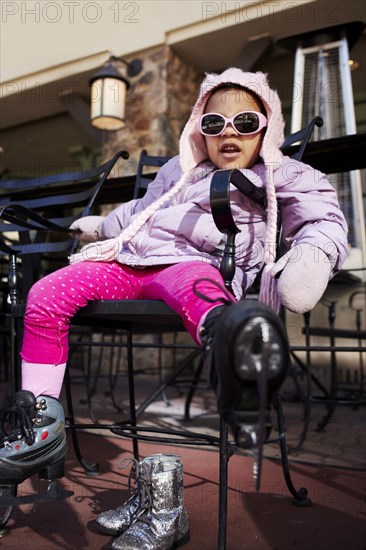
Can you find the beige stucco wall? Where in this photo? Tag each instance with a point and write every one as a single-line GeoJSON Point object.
{"type": "Point", "coordinates": [38, 35]}
{"type": "Point", "coordinates": [41, 34]}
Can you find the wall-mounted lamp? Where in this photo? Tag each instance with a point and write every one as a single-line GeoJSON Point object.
{"type": "Point", "coordinates": [108, 94]}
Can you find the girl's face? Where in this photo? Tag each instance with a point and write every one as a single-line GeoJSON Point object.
{"type": "Point", "coordinates": [230, 149]}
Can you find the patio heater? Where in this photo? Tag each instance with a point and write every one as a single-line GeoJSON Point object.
{"type": "Point", "coordinates": [323, 86]}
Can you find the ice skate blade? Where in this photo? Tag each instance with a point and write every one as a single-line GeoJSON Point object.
{"type": "Point", "coordinates": [53, 492]}
{"type": "Point", "coordinates": [250, 439]}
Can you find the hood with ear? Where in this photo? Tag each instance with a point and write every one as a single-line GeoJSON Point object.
{"type": "Point", "coordinates": [192, 147]}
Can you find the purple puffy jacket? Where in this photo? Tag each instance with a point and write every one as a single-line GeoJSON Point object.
{"type": "Point", "coordinates": [184, 228]}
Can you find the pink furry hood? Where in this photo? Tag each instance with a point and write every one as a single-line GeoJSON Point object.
{"type": "Point", "coordinates": [192, 143]}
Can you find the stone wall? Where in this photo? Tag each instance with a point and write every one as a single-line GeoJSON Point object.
{"type": "Point", "coordinates": [158, 104]}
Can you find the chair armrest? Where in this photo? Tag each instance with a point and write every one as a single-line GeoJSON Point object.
{"type": "Point", "coordinates": [19, 215]}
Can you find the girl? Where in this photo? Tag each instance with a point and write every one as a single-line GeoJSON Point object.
{"type": "Point", "coordinates": [165, 244]}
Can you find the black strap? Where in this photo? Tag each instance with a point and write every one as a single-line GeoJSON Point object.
{"type": "Point", "coordinates": [220, 197]}
{"type": "Point", "coordinates": [247, 187]}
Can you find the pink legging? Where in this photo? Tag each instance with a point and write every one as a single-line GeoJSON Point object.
{"type": "Point", "coordinates": [55, 299]}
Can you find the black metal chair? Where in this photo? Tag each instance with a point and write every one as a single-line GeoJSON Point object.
{"type": "Point", "coordinates": [155, 316]}
{"type": "Point", "coordinates": [35, 215]}
{"type": "Point", "coordinates": [144, 175]}
{"type": "Point", "coordinates": [341, 392]}
{"type": "Point", "coordinates": [117, 339]}
{"type": "Point", "coordinates": [152, 318]}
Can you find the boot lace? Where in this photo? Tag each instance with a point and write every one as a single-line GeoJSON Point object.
{"type": "Point", "coordinates": [145, 489]}
{"type": "Point", "coordinates": [142, 481]}
{"type": "Point", "coordinates": [16, 425]}
{"type": "Point", "coordinates": [144, 486]}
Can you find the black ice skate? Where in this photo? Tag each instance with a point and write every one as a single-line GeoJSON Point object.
{"type": "Point", "coordinates": [33, 441]}
{"type": "Point", "coordinates": [247, 352]}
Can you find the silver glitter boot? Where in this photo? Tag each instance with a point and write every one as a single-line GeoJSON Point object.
{"type": "Point", "coordinates": [116, 521]}
{"type": "Point", "coordinates": [161, 522]}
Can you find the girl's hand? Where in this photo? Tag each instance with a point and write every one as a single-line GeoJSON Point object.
{"type": "Point", "coordinates": [304, 274]}
{"type": "Point", "coordinates": [87, 228]}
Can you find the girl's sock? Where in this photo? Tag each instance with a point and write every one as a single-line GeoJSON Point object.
{"type": "Point", "coordinates": [43, 379]}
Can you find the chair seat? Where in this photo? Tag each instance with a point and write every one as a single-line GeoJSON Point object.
{"type": "Point", "coordinates": [140, 316]}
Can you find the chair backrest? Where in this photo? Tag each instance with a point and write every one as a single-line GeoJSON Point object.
{"type": "Point", "coordinates": [302, 137]}
{"type": "Point", "coordinates": [143, 178]}
{"type": "Point", "coordinates": [59, 199]}
{"type": "Point", "coordinates": [289, 148]}
{"type": "Point", "coordinates": [78, 187]}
